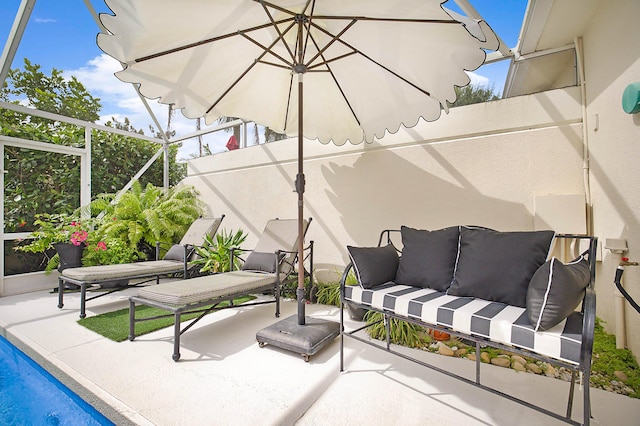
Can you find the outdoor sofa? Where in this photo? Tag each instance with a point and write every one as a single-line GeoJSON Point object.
{"type": "Point", "coordinates": [177, 261]}
{"type": "Point", "coordinates": [269, 266]}
{"type": "Point", "coordinates": [490, 289]}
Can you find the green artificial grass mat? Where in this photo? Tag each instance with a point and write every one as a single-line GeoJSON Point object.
{"type": "Point", "coordinates": [115, 325]}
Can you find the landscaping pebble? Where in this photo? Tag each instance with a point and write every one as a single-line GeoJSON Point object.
{"type": "Point", "coordinates": [501, 361]}
{"type": "Point", "coordinates": [549, 370]}
{"type": "Point", "coordinates": [620, 375]}
{"type": "Point", "coordinates": [534, 368]}
{"type": "Point", "coordinates": [516, 365]}
{"type": "Point", "coordinates": [445, 350]}
{"type": "Point", "coordinates": [519, 359]}
{"type": "Point", "coordinates": [461, 352]}
{"type": "Point", "coordinates": [521, 364]}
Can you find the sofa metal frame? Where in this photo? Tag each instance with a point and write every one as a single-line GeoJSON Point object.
{"type": "Point", "coordinates": [588, 310]}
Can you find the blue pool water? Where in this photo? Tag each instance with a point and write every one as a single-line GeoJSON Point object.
{"type": "Point", "coordinates": [29, 395]}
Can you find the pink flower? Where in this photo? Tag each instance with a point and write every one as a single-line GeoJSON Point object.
{"type": "Point", "coordinates": [79, 237]}
{"type": "Point", "coordinates": [101, 246]}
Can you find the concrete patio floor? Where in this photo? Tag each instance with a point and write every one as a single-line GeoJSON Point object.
{"type": "Point", "coordinates": [224, 378]}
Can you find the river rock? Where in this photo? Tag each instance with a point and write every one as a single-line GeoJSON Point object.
{"type": "Point", "coordinates": [484, 357]}
{"type": "Point", "coordinates": [550, 371]}
{"type": "Point", "coordinates": [501, 361]}
{"type": "Point", "coordinates": [445, 350]}
{"type": "Point", "coordinates": [471, 357]}
{"type": "Point", "coordinates": [461, 352]}
{"type": "Point", "coordinates": [519, 359]}
{"type": "Point", "coordinates": [534, 368]}
{"type": "Point", "coordinates": [517, 366]}
{"type": "Point", "coordinates": [620, 375]}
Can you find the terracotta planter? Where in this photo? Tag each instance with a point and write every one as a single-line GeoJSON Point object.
{"type": "Point", "coordinates": [439, 335]}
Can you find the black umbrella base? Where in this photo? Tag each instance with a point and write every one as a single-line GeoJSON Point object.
{"type": "Point", "coordinates": [305, 339]}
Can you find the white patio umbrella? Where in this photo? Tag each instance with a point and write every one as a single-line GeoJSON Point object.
{"type": "Point", "coordinates": [366, 66]}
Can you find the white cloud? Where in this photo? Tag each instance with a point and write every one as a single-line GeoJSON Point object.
{"type": "Point", "coordinates": [120, 100]}
{"type": "Point", "coordinates": [478, 80]}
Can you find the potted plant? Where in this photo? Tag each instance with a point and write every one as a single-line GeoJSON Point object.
{"type": "Point", "coordinates": [66, 234]}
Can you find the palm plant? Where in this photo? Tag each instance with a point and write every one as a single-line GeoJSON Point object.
{"type": "Point", "coordinates": [143, 216]}
{"type": "Point", "coordinates": [214, 256]}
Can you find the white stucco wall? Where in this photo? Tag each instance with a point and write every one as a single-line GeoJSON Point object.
{"type": "Point", "coordinates": [612, 61]}
{"type": "Point", "coordinates": [480, 164]}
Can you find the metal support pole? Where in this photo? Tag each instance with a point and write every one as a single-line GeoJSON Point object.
{"type": "Point", "coordinates": [300, 190]}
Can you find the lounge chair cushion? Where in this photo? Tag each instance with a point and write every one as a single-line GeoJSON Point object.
{"type": "Point", "coordinates": [177, 251]}
{"type": "Point", "coordinates": [555, 291]}
{"type": "Point", "coordinates": [374, 265]}
{"type": "Point", "coordinates": [428, 257]}
{"type": "Point", "coordinates": [126, 270]}
{"type": "Point", "coordinates": [259, 261]}
{"type": "Point", "coordinates": [498, 266]}
{"type": "Point", "coordinates": [200, 289]}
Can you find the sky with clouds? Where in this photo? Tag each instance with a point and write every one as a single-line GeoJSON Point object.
{"type": "Point", "coordinates": [62, 35]}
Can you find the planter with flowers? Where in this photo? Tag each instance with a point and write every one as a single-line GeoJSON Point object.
{"type": "Point", "coordinates": [66, 234]}
{"type": "Point", "coordinates": [128, 228]}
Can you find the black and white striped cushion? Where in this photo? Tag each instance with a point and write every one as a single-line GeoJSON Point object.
{"type": "Point", "coordinates": [496, 321]}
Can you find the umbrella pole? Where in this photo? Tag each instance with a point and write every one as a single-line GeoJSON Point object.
{"type": "Point", "coordinates": [300, 190]}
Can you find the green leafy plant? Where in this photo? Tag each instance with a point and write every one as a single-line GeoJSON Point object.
{"type": "Point", "coordinates": [402, 332]}
{"type": "Point", "coordinates": [608, 359]}
{"type": "Point", "coordinates": [214, 255]}
{"type": "Point", "coordinates": [110, 252]}
{"type": "Point", "coordinates": [143, 216]}
{"type": "Point", "coordinates": [329, 292]}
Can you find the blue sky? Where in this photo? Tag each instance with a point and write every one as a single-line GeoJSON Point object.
{"type": "Point", "coordinates": [62, 35]}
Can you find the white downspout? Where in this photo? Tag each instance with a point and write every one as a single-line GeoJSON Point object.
{"type": "Point", "coordinates": [585, 133]}
{"type": "Point", "coordinates": [621, 326]}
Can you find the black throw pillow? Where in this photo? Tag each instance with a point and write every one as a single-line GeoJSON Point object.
{"type": "Point", "coordinates": [374, 265]}
{"type": "Point", "coordinates": [428, 257]}
{"type": "Point", "coordinates": [176, 252]}
{"type": "Point", "coordinates": [555, 291]}
{"type": "Point", "coordinates": [498, 266]}
{"type": "Point", "coordinates": [261, 262]}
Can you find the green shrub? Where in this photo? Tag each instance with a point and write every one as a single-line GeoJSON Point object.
{"type": "Point", "coordinates": [329, 293]}
{"type": "Point", "coordinates": [402, 332]}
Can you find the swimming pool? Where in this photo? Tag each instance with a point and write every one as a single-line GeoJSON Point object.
{"type": "Point", "coordinates": [29, 395]}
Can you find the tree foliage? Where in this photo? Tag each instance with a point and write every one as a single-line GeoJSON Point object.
{"type": "Point", "coordinates": [472, 94]}
{"type": "Point", "coordinates": [45, 182]}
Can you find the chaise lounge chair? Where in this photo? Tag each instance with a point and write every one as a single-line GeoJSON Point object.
{"type": "Point", "coordinates": [177, 260]}
{"type": "Point", "coordinates": [268, 266]}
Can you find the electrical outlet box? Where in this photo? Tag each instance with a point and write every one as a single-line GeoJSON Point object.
{"type": "Point", "coordinates": [616, 245]}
